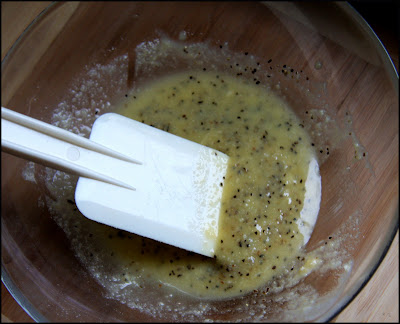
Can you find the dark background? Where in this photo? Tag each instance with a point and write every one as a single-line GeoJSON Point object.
{"type": "Point", "coordinates": [383, 17]}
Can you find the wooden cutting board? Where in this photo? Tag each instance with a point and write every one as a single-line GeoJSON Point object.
{"type": "Point", "coordinates": [379, 299]}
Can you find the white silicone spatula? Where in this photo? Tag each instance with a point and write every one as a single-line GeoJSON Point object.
{"type": "Point", "coordinates": [132, 176]}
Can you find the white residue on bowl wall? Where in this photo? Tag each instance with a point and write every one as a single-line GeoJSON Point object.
{"type": "Point", "coordinates": [28, 173]}
{"type": "Point", "coordinates": [182, 35]}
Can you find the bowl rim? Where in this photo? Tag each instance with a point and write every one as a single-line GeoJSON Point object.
{"type": "Point", "coordinates": [394, 76]}
{"type": "Point", "coordinates": [389, 66]}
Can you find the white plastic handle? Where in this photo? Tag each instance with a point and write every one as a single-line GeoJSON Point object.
{"type": "Point", "coordinates": [54, 147]}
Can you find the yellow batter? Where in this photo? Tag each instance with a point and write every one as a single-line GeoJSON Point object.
{"type": "Point", "coordinates": [264, 187]}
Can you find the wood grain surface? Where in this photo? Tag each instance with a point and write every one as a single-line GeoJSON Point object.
{"type": "Point", "coordinates": [377, 302]}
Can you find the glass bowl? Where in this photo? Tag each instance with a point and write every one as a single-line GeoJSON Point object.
{"type": "Point", "coordinates": [321, 58]}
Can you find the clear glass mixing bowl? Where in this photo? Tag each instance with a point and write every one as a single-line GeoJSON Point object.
{"type": "Point", "coordinates": [322, 58]}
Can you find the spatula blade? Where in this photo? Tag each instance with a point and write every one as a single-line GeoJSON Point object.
{"type": "Point", "coordinates": [178, 186]}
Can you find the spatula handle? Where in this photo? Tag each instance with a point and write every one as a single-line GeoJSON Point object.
{"type": "Point", "coordinates": [51, 146]}
{"type": "Point", "coordinates": [61, 134]}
